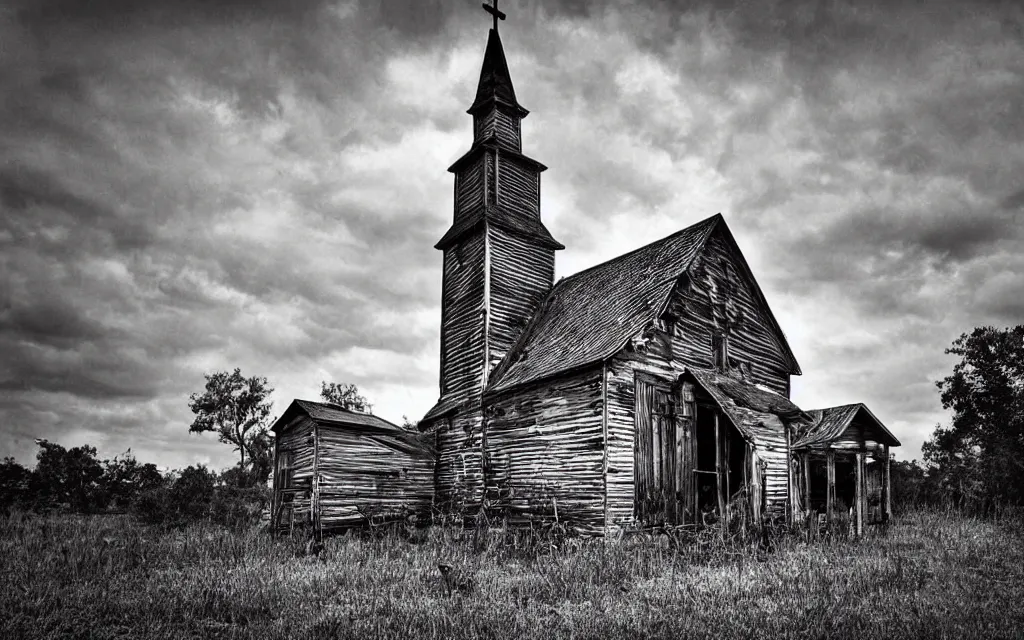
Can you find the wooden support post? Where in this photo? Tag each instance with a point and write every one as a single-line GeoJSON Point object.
{"type": "Point", "coordinates": [314, 502]}
{"type": "Point", "coordinates": [860, 498]}
{"type": "Point", "coordinates": [887, 488]}
{"type": "Point", "coordinates": [807, 481]}
{"type": "Point", "coordinates": [789, 477]}
{"type": "Point", "coordinates": [718, 470]}
{"type": "Point", "coordinates": [830, 496]}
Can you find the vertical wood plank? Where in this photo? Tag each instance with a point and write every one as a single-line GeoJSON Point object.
{"type": "Point", "coordinates": [275, 503]}
{"type": "Point", "coordinates": [718, 470]}
{"type": "Point", "coordinates": [887, 487]}
{"type": "Point", "coordinates": [789, 476]}
{"type": "Point", "coordinates": [604, 443]}
{"type": "Point", "coordinates": [679, 497]}
{"type": "Point", "coordinates": [807, 481]}
{"type": "Point", "coordinates": [859, 494]}
{"type": "Point", "coordinates": [315, 502]}
{"type": "Point", "coordinates": [830, 497]}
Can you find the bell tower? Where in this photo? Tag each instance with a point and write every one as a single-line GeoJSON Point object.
{"type": "Point", "coordinates": [499, 258]}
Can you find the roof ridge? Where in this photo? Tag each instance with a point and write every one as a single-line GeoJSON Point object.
{"type": "Point", "coordinates": [623, 256]}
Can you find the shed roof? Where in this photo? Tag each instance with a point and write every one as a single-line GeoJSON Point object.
{"type": "Point", "coordinates": [829, 424]}
{"type": "Point", "coordinates": [758, 414]}
{"type": "Point", "coordinates": [374, 427]}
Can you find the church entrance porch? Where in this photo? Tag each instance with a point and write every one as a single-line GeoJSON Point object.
{"type": "Point", "coordinates": [688, 459]}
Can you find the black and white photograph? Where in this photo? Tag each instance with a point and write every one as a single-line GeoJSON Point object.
{"type": "Point", "coordinates": [511, 319]}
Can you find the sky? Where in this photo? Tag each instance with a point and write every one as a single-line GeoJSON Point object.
{"type": "Point", "coordinates": [199, 185]}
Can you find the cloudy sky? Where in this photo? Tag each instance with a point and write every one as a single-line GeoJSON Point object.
{"type": "Point", "coordinates": [195, 185]}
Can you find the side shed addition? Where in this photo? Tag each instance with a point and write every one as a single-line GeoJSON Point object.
{"type": "Point", "coordinates": [841, 461]}
{"type": "Point", "coordinates": [335, 468]}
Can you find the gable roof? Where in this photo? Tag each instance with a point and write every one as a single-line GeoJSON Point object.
{"type": "Point", "coordinates": [830, 423]}
{"type": "Point", "coordinates": [590, 316]}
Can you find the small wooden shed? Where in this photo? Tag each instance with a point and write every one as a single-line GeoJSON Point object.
{"type": "Point", "coordinates": [841, 461]}
{"type": "Point", "coordinates": [335, 468]}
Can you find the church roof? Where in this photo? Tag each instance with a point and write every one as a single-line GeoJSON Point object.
{"type": "Point", "coordinates": [829, 424]}
{"type": "Point", "coordinates": [590, 316]}
{"type": "Point", "coordinates": [495, 80]}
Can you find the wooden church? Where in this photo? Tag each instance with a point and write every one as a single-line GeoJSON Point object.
{"type": "Point", "coordinates": [650, 390]}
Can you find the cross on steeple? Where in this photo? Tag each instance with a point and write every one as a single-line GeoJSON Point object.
{"type": "Point", "coordinates": [493, 10]}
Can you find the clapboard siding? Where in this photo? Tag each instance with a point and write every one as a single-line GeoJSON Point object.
{"type": "Point", "coordinates": [462, 321]}
{"type": "Point", "coordinates": [714, 297]}
{"type": "Point", "coordinates": [519, 186]}
{"type": "Point", "coordinates": [505, 128]}
{"type": "Point", "coordinates": [458, 476]}
{"type": "Point", "coordinates": [545, 453]}
{"type": "Point", "coordinates": [522, 273]}
{"type": "Point", "coordinates": [370, 475]}
{"type": "Point", "coordinates": [469, 188]}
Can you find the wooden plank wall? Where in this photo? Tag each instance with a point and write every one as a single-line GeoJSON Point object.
{"type": "Point", "coordinates": [458, 476]}
{"type": "Point", "coordinates": [520, 186]}
{"type": "Point", "coordinates": [461, 322]}
{"type": "Point", "coordinates": [545, 453]}
{"type": "Point", "coordinates": [521, 276]}
{"type": "Point", "coordinates": [298, 439]}
{"type": "Point", "coordinates": [505, 127]}
{"type": "Point", "coordinates": [714, 297]}
{"type": "Point", "coordinates": [369, 474]}
{"type": "Point", "coordinates": [469, 188]}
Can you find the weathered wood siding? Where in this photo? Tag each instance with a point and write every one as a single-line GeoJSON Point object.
{"type": "Point", "coordinates": [469, 188]}
{"type": "Point", "coordinates": [521, 276]}
{"type": "Point", "coordinates": [715, 297]}
{"type": "Point", "coordinates": [458, 476]}
{"type": "Point", "coordinates": [292, 504]}
{"type": "Point", "coordinates": [545, 452]}
{"type": "Point", "coordinates": [493, 122]}
{"type": "Point", "coordinates": [861, 435]}
{"type": "Point", "coordinates": [462, 304]}
{"type": "Point", "coordinates": [519, 186]}
{"type": "Point", "coordinates": [370, 475]}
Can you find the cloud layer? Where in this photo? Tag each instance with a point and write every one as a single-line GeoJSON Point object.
{"type": "Point", "coordinates": [193, 186]}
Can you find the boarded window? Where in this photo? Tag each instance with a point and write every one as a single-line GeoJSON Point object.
{"type": "Point", "coordinates": [720, 352]}
{"type": "Point", "coordinates": [286, 469]}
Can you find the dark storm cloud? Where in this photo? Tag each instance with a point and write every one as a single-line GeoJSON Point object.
{"type": "Point", "coordinates": [191, 186]}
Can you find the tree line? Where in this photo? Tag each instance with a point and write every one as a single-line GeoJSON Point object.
{"type": "Point", "coordinates": [234, 407]}
{"type": "Point", "coordinates": [976, 462]}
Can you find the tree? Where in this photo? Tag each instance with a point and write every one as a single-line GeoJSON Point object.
{"type": "Point", "coordinates": [68, 476]}
{"type": "Point", "coordinates": [124, 478]}
{"type": "Point", "coordinates": [345, 395]}
{"type": "Point", "coordinates": [15, 481]}
{"type": "Point", "coordinates": [236, 409]}
{"type": "Point", "coordinates": [979, 457]}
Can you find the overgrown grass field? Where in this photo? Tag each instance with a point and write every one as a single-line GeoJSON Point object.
{"type": "Point", "coordinates": [931, 575]}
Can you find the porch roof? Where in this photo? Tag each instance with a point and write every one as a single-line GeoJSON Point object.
{"type": "Point", "coordinates": [760, 415]}
{"type": "Point", "coordinates": [831, 423]}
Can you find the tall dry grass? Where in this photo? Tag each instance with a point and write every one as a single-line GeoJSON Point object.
{"type": "Point", "coordinates": [931, 575]}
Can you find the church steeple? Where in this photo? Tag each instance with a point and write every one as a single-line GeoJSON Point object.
{"type": "Point", "coordinates": [499, 258]}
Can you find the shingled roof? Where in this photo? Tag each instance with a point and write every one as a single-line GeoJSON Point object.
{"type": "Point", "coordinates": [589, 316]}
{"type": "Point", "coordinates": [373, 427]}
{"type": "Point", "coordinates": [830, 423]}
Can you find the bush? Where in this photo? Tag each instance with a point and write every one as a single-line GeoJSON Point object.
{"type": "Point", "coordinates": [195, 495]}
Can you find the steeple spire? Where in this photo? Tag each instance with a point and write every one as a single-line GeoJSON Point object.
{"type": "Point", "coordinates": [495, 86]}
